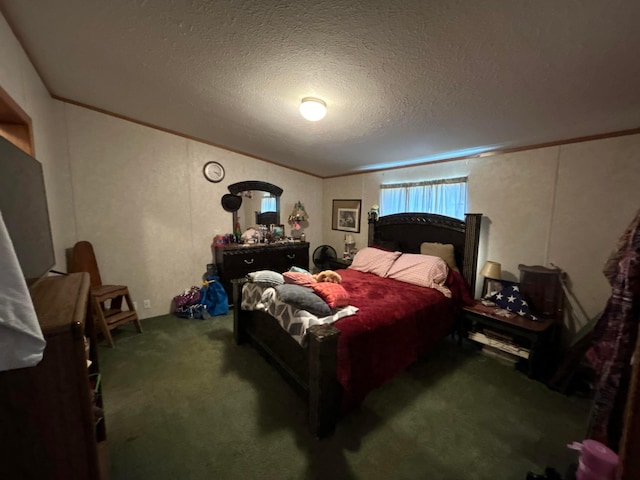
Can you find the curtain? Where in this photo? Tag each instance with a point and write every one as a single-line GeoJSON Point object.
{"type": "Point", "coordinates": [445, 197]}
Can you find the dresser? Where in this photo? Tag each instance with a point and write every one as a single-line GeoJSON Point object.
{"type": "Point", "coordinates": [235, 261]}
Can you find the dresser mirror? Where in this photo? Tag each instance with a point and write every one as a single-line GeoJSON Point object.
{"type": "Point", "coordinates": [260, 204]}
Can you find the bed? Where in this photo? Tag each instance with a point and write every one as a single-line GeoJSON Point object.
{"type": "Point", "coordinates": [340, 363]}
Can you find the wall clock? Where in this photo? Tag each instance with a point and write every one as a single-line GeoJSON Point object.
{"type": "Point", "coordinates": [213, 171]}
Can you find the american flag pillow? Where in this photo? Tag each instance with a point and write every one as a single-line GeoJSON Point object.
{"type": "Point", "coordinates": [423, 270]}
{"type": "Point", "coordinates": [511, 299]}
{"type": "Point", "coordinates": [374, 260]}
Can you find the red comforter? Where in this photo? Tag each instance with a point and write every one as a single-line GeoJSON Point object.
{"type": "Point", "coordinates": [395, 324]}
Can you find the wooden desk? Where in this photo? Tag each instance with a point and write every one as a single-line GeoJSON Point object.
{"type": "Point", "coordinates": [528, 340]}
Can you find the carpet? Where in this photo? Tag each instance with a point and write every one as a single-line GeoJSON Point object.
{"type": "Point", "coordinates": [182, 401]}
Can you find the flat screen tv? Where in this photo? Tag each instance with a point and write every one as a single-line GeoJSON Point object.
{"type": "Point", "coordinates": [23, 203]}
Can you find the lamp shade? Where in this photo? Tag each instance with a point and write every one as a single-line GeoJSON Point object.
{"type": "Point", "coordinates": [313, 109]}
{"type": "Point", "coordinates": [491, 270]}
{"type": "Point", "coordinates": [299, 214]}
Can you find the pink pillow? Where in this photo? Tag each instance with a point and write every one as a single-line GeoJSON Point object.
{"type": "Point", "coordinates": [298, 278]}
{"type": "Point", "coordinates": [422, 270]}
{"type": "Point", "coordinates": [333, 293]}
{"type": "Point", "coordinates": [374, 260]}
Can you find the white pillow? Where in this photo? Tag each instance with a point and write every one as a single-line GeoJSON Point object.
{"type": "Point", "coordinates": [374, 260]}
{"type": "Point", "coordinates": [422, 270]}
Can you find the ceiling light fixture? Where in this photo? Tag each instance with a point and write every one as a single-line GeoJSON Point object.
{"type": "Point", "coordinates": [313, 109]}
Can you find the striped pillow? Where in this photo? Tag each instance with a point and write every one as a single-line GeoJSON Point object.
{"type": "Point", "coordinates": [298, 278]}
{"type": "Point", "coordinates": [374, 260]}
{"type": "Point", "coordinates": [422, 270]}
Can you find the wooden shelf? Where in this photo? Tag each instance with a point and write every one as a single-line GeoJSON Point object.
{"type": "Point", "coordinates": [500, 345]}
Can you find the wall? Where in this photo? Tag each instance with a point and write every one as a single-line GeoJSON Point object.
{"type": "Point", "coordinates": [563, 205]}
{"type": "Point", "coordinates": [140, 197]}
{"type": "Point", "coordinates": [19, 79]}
{"type": "Point", "coordinates": [136, 193]}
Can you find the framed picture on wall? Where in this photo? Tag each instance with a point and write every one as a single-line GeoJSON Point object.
{"type": "Point", "coordinates": [346, 215]}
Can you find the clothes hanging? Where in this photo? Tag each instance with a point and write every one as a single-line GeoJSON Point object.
{"type": "Point", "coordinates": [615, 337]}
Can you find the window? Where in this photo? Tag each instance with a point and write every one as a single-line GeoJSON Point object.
{"type": "Point", "coordinates": [268, 204]}
{"type": "Point", "coordinates": [445, 197]}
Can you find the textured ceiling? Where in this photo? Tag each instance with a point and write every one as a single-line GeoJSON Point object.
{"type": "Point", "coordinates": [404, 81]}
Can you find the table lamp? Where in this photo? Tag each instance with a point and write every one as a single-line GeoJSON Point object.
{"type": "Point", "coordinates": [492, 273]}
{"type": "Point", "coordinates": [492, 270]}
{"type": "Point", "coordinates": [349, 246]}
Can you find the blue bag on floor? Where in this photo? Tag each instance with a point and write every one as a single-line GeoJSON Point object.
{"type": "Point", "coordinates": [214, 297]}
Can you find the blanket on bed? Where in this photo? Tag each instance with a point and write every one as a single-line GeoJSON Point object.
{"type": "Point", "coordinates": [396, 323]}
{"type": "Point", "coordinates": [294, 320]}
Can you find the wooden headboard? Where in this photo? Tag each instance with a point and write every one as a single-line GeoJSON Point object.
{"type": "Point", "coordinates": [407, 231]}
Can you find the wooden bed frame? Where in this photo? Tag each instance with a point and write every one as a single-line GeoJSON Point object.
{"type": "Point", "coordinates": [312, 370]}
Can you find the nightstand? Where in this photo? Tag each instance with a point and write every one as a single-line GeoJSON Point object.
{"type": "Point", "coordinates": [533, 344]}
{"type": "Point", "coordinates": [338, 263]}
{"type": "Point", "coordinates": [527, 342]}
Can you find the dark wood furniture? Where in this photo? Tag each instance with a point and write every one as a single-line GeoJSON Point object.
{"type": "Point", "coordinates": [51, 421]}
{"type": "Point", "coordinates": [241, 188]}
{"type": "Point", "coordinates": [535, 343]}
{"type": "Point", "coordinates": [235, 261]}
{"type": "Point", "coordinates": [515, 335]}
{"type": "Point", "coordinates": [312, 369]}
{"type": "Point", "coordinates": [338, 263]}
{"type": "Point", "coordinates": [267, 218]}
{"type": "Point", "coordinates": [106, 300]}
{"type": "Point", "coordinates": [542, 288]}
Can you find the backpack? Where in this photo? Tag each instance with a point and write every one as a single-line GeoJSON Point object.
{"type": "Point", "coordinates": [190, 296]}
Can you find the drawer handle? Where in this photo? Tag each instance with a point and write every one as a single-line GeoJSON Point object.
{"type": "Point", "coordinates": [249, 262]}
{"type": "Point", "coordinates": [292, 256]}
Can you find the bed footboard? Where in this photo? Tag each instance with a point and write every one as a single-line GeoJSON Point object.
{"type": "Point", "coordinates": [312, 371]}
{"type": "Point", "coordinates": [325, 393]}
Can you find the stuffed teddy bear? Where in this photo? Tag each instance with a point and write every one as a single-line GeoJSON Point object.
{"type": "Point", "coordinates": [328, 276]}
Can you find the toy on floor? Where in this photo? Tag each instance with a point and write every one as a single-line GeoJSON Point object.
{"type": "Point", "coordinates": [328, 276]}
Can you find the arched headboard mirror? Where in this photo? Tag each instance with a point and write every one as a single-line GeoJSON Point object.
{"type": "Point", "coordinates": [260, 203]}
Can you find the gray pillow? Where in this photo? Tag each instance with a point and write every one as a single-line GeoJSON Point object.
{"type": "Point", "coordinates": [266, 277]}
{"type": "Point", "coordinates": [303, 298]}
